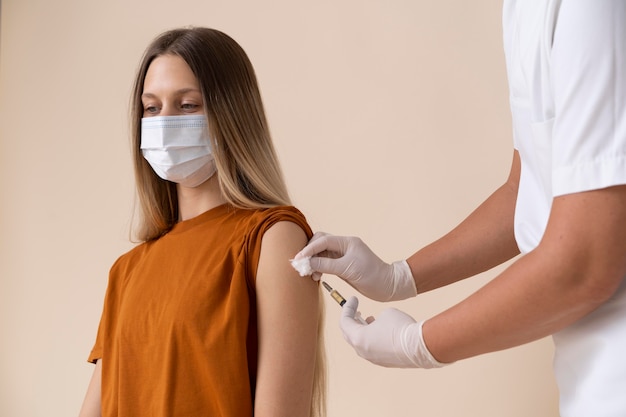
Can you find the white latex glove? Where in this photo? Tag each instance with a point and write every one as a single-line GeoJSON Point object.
{"type": "Point", "coordinates": [350, 259]}
{"type": "Point", "coordinates": [393, 340]}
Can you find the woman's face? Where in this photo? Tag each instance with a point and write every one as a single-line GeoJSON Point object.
{"type": "Point", "coordinates": [170, 88]}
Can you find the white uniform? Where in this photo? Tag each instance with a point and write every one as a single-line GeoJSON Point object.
{"type": "Point", "coordinates": [566, 63]}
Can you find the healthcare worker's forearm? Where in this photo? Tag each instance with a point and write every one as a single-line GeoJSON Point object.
{"type": "Point", "coordinates": [483, 240]}
{"type": "Point", "coordinates": [578, 266]}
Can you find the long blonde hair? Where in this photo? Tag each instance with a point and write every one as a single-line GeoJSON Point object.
{"type": "Point", "coordinates": [248, 169]}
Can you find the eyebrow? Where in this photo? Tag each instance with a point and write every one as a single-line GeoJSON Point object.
{"type": "Point", "coordinates": [179, 92]}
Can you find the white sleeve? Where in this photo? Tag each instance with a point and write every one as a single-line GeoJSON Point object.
{"type": "Point", "coordinates": [588, 71]}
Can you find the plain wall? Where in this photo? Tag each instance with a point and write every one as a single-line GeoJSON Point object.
{"type": "Point", "coordinates": [391, 120]}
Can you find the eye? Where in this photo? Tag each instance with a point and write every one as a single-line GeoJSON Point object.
{"type": "Point", "coordinates": [189, 107]}
{"type": "Point", "coordinates": [150, 110]}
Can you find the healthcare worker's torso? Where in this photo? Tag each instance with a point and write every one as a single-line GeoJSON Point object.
{"type": "Point", "coordinates": [566, 63]}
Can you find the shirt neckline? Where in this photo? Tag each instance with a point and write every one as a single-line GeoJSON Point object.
{"type": "Point", "coordinates": [210, 214]}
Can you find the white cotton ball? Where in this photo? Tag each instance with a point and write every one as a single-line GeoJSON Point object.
{"type": "Point", "coordinates": [302, 265]}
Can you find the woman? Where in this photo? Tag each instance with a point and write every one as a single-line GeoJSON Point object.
{"type": "Point", "coordinates": [205, 317]}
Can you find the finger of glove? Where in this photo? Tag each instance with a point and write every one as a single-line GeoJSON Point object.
{"type": "Point", "coordinates": [347, 322]}
{"type": "Point", "coordinates": [311, 248]}
{"type": "Point", "coordinates": [337, 245]}
{"type": "Point", "coordinates": [328, 265]}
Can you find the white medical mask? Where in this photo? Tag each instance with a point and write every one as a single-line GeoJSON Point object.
{"type": "Point", "coordinates": [178, 148]}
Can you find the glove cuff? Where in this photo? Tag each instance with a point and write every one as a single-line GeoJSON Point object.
{"type": "Point", "coordinates": [415, 348]}
{"type": "Point", "coordinates": [403, 282]}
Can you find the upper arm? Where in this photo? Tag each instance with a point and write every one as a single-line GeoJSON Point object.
{"type": "Point", "coordinates": [91, 403]}
{"type": "Point", "coordinates": [586, 229]}
{"type": "Point", "coordinates": [288, 316]}
{"type": "Point", "coordinates": [586, 236]}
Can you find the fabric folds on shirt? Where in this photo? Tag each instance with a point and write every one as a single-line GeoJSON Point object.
{"type": "Point", "coordinates": [178, 332]}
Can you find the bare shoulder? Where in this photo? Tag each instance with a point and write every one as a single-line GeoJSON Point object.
{"type": "Point", "coordinates": [284, 236]}
{"type": "Point", "coordinates": [275, 275]}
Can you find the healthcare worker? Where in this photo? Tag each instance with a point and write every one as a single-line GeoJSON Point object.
{"type": "Point", "coordinates": [563, 207]}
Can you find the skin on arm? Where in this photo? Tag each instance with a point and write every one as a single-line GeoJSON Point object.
{"type": "Point", "coordinates": [288, 312]}
{"type": "Point", "coordinates": [91, 403]}
{"type": "Point", "coordinates": [482, 241]}
{"type": "Point", "coordinates": [577, 266]}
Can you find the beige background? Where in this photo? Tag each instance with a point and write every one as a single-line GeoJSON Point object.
{"type": "Point", "coordinates": [391, 121]}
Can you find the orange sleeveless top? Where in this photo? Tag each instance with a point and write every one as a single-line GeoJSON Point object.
{"type": "Point", "coordinates": [178, 332]}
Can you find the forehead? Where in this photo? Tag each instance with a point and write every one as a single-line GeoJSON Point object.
{"type": "Point", "coordinates": [169, 70]}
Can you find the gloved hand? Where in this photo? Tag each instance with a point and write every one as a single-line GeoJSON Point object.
{"type": "Point", "coordinates": [350, 259]}
{"type": "Point", "coordinates": [393, 340]}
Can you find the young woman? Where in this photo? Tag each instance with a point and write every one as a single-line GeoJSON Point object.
{"type": "Point", "coordinates": [207, 316]}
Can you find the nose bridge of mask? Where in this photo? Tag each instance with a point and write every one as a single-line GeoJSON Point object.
{"type": "Point", "coordinates": [161, 132]}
